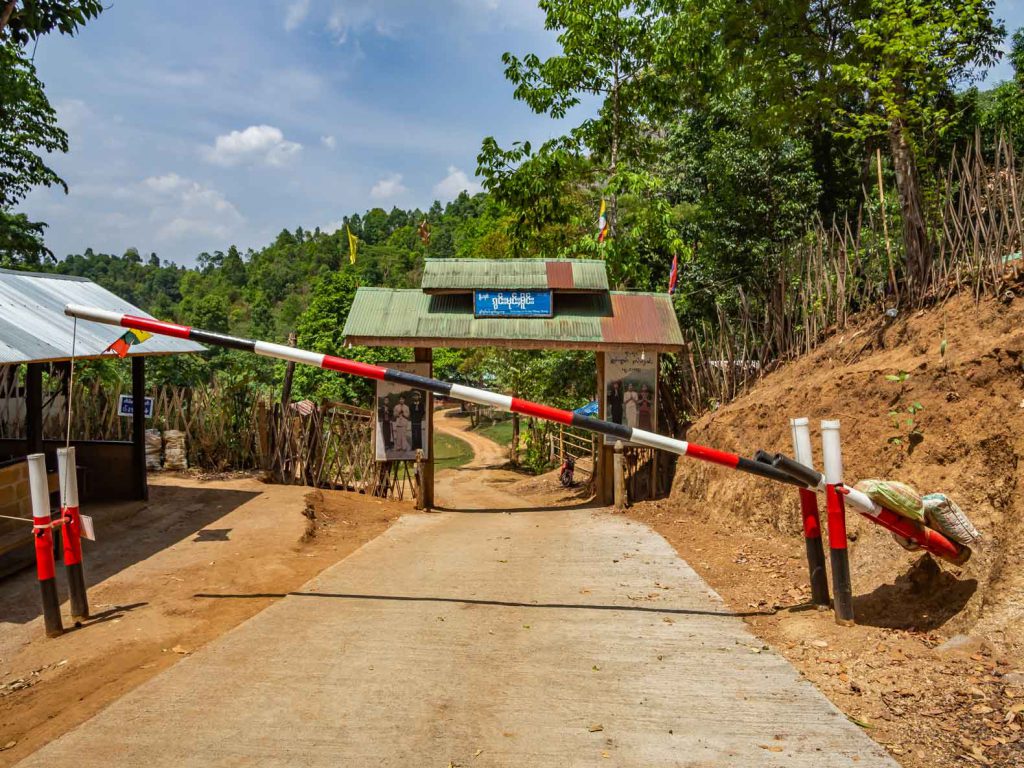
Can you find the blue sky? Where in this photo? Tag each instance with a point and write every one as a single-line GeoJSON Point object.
{"type": "Point", "coordinates": [203, 124]}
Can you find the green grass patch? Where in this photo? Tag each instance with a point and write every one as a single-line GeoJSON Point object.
{"type": "Point", "coordinates": [451, 452]}
{"type": "Point", "coordinates": [500, 432]}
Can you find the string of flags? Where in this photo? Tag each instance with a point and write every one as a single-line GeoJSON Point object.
{"type": "Point", "coordinates": [130, 338]}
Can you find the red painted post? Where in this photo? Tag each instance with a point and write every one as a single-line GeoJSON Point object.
{"type": "Point", "coordinates": [842, 588]}
{"type": "Point", "coordinates": [811, 519]}
{"type": "Point", "coordinates": [43, 535]}
{"type": "Point", "coordinates": [72, 534]}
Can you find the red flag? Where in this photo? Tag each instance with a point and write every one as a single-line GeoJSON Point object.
{"type": "Point", "coordinates": [673, 276]}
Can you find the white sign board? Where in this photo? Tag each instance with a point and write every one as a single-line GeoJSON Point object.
{"type": "Point", "coordinates": [126, 408]}
{"type": "Point", "coordinates": [402, 416]}
{"type": "Point", "coordinates": [88, 531]}
{"type": "Point", "coordinates": [631, 390]}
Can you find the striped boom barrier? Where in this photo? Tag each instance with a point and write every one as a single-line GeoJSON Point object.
{"type": "Point", "coordinates": [457, 391]}
{"type": "Point", "coordinates": [859, 500]}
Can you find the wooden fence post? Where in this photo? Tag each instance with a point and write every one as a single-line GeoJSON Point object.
{"type": "Point", "coordinates": [420, 487]}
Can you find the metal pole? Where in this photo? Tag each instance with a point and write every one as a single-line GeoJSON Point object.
{"type": "Point", "coordinates": [811, 519]}
{"type": "Point", "coordinates": [842, 589]}
{"type": "Point", "coordinates": [43, 536]}
{"type": "Point", "coordinates": [72, 534]}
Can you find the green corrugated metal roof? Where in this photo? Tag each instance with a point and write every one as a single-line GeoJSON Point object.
{"type": "Point", "coordinates": [514, 274]}
{"type": "Point", "coordinates": [387, 317]}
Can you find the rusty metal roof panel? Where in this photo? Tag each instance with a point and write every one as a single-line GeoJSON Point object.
{"type": "Point", "coordinates": [382, 316]}
{"type": "Point", "coordinates": [513, 274]}
{"type": "Point", "coordinates": [639, 318]}
{"type": "Point", "coordinates": [34, 328]}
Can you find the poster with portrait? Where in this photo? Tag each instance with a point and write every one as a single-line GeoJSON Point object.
{"type": "Point", "coordinates": [631, 390]}
{"type": "Point", "coordinates": [402, 416]}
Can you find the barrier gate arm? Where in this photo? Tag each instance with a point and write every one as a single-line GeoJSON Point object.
{"type": "Point", "coordinates": [780, 469]}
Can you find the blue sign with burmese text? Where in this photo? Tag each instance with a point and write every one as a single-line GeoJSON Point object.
{"type": "Point", "coordinates": [512, 304]}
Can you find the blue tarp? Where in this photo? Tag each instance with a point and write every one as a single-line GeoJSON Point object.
{"type": "Point", "coordinates": [590, 409]}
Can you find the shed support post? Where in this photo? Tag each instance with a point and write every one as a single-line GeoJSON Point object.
{"type": "Point", "coordinates": [139, 427]}
{"type": "Point", "coordinates": [605, 480]}
{"type": "Point", "coordinates": [34, 408]}
{"type": "Point", "coordinates": [426, 355]}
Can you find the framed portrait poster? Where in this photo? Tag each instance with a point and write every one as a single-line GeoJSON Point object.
{"type": "Point", "coordinates": [402, 416]}
{"type": "Point", "coordinates": [631, 390]}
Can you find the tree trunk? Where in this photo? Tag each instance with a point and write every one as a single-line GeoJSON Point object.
{"type": "Point", "coordinates": [5, 14]}
{"type": "Point", "coordinates": [915, 231]}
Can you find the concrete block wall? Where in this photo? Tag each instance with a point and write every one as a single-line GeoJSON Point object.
{"type": "Point", "coordinates": [15, 500]}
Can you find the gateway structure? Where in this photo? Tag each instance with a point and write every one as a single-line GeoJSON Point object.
{"type": "Point", "coordinates": [523, 304]}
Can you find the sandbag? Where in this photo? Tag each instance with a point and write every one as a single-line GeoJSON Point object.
{"type": "Point", "coordinates": [175, 458]}
{"type": "Point", "coordinates": [894, 496]}
{"type": "Point", "coordinates": [154, 449]}
{"type": "Point", "coordinates": [944, 515]}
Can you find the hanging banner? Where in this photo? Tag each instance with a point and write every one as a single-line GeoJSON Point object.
{"type": "Point", "coordinates": [512, 304]}
{"type": "Point", "coordinates": [402, 417]}
{"type": "Point", "coordinates": [631, 390]}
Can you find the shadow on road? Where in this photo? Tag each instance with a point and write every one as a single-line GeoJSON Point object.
{"type": "Point", "coordinates": [474, 601]}
{"type": "Point", "coordinates": [128, 533]}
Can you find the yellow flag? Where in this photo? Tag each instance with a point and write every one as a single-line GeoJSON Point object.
{"type": "Point", "coordinates": [353, 241]}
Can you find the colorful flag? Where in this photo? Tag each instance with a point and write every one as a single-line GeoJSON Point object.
{"type": "Point", "coordinates": [353, 241]}
{"type": "Point", "coordinates": [424, 232]}
{"type": "Point", "coordinates": [602, 223]}
{"type": "Point", "coordinates": [673, 276]}
{"type": "Point", "coordinates": [130, 338]}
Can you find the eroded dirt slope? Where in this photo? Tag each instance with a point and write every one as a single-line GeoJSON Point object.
{"type": "Point", "coordinates": [934, 667]}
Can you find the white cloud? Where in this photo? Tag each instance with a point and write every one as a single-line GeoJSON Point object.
{"type": "Point", "coordinates": [72, 113]}
{"type": "Point", "coordinates": [390, 186]}
{"type": "Point", "coordinates": [257, 143]}
{"type": "Point", "coordinates": [455, 182]}
{"type": "Point", "coordinates": [329, 141]}
{"type": "Point", "coordinates": [296, 14]}
{"type": "Point", "coordinates": [332, 226]}
{"type": "Point", "coordinates": [337, 26]}
{"type": "Point", "coordinates": [181, 207]}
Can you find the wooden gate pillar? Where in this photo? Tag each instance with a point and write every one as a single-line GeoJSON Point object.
{"type": "Point", "coordinates": [426, 355]}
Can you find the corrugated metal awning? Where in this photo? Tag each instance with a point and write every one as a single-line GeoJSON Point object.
{"type": "Point", "coordinates": [410, 318]}
{"type": "Point", "coordinates": [34, 328]}
{"type": "Point", "coordinates": [441, 275]}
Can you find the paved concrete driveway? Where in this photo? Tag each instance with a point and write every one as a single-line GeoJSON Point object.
{"type": "Point", "coordinates": [528, 639]}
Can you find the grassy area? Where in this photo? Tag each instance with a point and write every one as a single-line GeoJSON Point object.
{"type": "Point", "coordinates": [500, 432]}
{"type": "Point", "coordinates": [450, 452]}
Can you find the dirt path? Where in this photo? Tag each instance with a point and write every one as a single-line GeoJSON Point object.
{"type": "Point", "coordinates": [480, 484]}
{"type": "Point", "coordinates": [144, 572]}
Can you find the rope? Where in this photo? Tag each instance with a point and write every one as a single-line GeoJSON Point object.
{"type": "Point", "coordinates": [71, 397]}
{"type": "Point", "coordinates": [52, 524]}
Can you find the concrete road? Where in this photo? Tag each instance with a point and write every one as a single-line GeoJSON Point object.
{"type": "Point", "coordinates": [565, 638]}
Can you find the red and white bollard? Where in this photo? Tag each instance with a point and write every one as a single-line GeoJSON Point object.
{"type": "Point", "coordinates": [42, 533]}
{"type": "Point", "coordinates": [811, 519]}
{"type": "Point", "coordinates": [842, 589]}
{"type": "Point", "coordinates": [72, 534]}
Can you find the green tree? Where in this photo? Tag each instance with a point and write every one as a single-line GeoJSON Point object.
{"type": "Point", "coordinates": [28, 123]}
{"type": "Point", "coordinates": [913, 55]}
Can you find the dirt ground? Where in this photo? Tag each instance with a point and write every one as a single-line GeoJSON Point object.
{"type": "Point", "coordinates": [935, 668]}
{"type": "Point", "coordinates": [151, 566]}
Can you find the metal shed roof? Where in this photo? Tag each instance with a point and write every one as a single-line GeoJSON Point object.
{"type": "Point", "coordinates": [448, 275]}
{"type": "Point", "coordinates": [34, 328]}
{"type": "Point", "coordinates": [411, 318]}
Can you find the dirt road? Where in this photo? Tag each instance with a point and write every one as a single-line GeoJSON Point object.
{"type": "Point", "coordinates": [144, 571]}
{"type": "Point", "coordinates": [480, 484]}
{"type": "Point", "coordinates": [562, 637]}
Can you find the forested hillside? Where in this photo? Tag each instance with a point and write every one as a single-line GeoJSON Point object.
{"type": "Point", "coordinates": [727, 135]}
